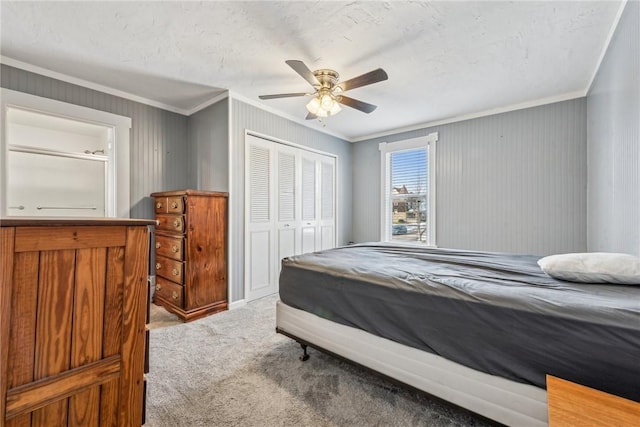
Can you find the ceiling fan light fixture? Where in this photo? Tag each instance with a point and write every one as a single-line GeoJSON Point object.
{"type": "Point", "coordinates": [314, 105]}
{"type": "Point", "coordinates": [322, 113]}
{"type": "Point", "coordinates": [327, 96]}
{"type": "Point", "coordinates": [323, 105]}
{"type": "Point", "coordinates": [326, 102]}
{"type": "Point", "coordinates": [335, 108]}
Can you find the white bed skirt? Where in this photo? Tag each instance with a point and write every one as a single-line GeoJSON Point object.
{"type": "Point", "coordinates": [499, 399]}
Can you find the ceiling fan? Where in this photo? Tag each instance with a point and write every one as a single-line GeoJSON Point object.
{"type": "Point", "coordinates": [327, 95]}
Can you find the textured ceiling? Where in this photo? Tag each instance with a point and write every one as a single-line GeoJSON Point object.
{"type": "Point", "coordinates": [444, 59]}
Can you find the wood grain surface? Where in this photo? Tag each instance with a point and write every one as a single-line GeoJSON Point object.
{"type": "Point", "coordinates": [574, 405]}
{"type": "Point", "coordinates": [73, 311]}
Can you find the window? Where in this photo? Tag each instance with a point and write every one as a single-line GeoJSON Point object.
{"type": "Point", "coordinates": [408, 183]}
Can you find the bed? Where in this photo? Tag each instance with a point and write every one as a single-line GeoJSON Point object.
{"type": "Point", "coordinates": [478, 329]}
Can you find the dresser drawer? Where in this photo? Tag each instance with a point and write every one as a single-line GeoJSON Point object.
{"type": "Point", "coordinates": [169, 291]}
{"type": "Point", "coordinates": [175, 204]}
{"type": "Point", "coordinates": [169, 268]}
{"type": "Point", "coordinates": [170, 222]}
{"type": "Point", "coordinates": [171, 247]}
{"type": "Point", "coordinates": [160, 204]}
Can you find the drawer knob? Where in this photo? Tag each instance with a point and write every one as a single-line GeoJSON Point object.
{"type": "Point", "coordinates": [175, 249]}
{"type": "Point", "coordinates": [175, 272]}
{"type": "Point", "coordinates": [176, 223]}
{"type": "Point", "coordinates": [158, 266]}
{"type": "Point", "coordinates": [158, 287]}
{"type": "Point", "coordinates": [174, 295]}
{"type": "Point", "coordinates": [158, 205]}
{"type": "Point", "coordinates": [157, 245]}
{"type": "Point", "coordinates": [174, 205]}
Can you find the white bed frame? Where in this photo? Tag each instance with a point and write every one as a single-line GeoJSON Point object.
{"type": "Point", "coordinates": [499, 399]}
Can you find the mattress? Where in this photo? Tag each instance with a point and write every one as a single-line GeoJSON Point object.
{"type": "Point", "coordinates": [493, 312]}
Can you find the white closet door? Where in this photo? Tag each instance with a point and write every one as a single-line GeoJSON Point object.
{"type": "Point", "coordinates": [309, 203]}
{"type": "Point", "coordinates": [289, 209]}
{"type": "Point", "coordinates": [327, 203]}
{"type": "Point", "coordinates": [260, 244]}
{"type": "Point", "coordinates": [288, 215]}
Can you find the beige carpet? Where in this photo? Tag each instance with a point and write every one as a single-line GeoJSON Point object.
{"type": "Point", "coordinates": [232, 369]}
{"type": "Point", "coordinates": [159, 317]}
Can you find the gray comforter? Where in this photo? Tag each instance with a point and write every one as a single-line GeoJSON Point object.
{"type": "Point", "coordinates": [497, 313]}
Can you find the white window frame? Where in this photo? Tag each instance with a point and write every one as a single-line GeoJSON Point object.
{"type": "Point", "coordinates": [386, 149]}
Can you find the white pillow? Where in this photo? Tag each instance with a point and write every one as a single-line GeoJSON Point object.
{"type": "Point", "coordinates": [594, 267]}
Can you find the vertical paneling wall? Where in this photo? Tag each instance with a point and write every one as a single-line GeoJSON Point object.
{"type": "Point", "coordinates": [245, 116]}
{"type": "Point", "coordinates": [208, 136]}
{"type": "Point", "coordinates": [513, 182]}
{"type": "Point", "coordinates": [613, 111]}
{"type": "Point", "coordinates": [158, 137]}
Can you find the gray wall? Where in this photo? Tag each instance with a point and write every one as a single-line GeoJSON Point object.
{"type": "Point", "coordinates": [613, 111]}
{"type": "Point", "coordinates": [158, 137]}
{"type": "Point", "coordinates": [208, 136]}
{"type": "Point", "coordinates": [513, 182]}
{"type": "Point", "coordinates": [246, 117]}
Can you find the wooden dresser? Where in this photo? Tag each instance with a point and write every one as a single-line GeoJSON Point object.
{"type": "Point", "coordinates": [191, 252]}
{"type": "Point", "coordinates": [73, 306]}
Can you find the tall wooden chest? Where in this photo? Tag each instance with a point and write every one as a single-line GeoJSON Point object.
{"type": "Point", "coordinates": [191, 252]}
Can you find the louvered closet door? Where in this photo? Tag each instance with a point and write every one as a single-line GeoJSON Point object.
{"type": "Point", "coordinates": [289, 209]}
{"type": "Point", "coordinates": [327, 198]}
{"type": "Point", "coordinates": [309, 186]}
{"type": "Point", "coordinates": [288, 205]}
{"type": "Point", "coordinates": [260, 241]}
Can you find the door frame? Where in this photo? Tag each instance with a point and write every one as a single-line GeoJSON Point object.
{"type": "Point", "coordinates": [119, 200]}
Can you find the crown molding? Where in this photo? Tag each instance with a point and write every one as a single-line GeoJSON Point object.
{"type": "Point", "coordinates": [514, 107]}
{"type": "Point", "coordinates": [208, 103]}
{"type": "Point", "coordinates": [89, 85]}
{"type": "Point", "coordinates": [233, 95]}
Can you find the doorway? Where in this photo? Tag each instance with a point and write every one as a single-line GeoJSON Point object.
{"type": "Point", "coordinates": [63, 160]}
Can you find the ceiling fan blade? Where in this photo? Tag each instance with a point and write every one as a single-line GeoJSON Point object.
{"type": "Point", "coordinates": [303, 70]}
{"type": "Point", "coordinates": [311, 116]}
{"type": "Point", "coordinates": [358, 105]}
{"type": "Point", "coordinates": [371, 77]}
{"type": "Point", "coordinates": [282, 95]}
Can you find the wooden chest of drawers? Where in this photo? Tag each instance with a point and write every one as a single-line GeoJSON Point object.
{"type": "Point", "coordinates": [73, 305]}
{"type": "Point", "coordinates": [191, 254]}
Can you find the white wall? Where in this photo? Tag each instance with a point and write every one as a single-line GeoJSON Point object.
{"type": "Point", "coordinates": [613, 110]}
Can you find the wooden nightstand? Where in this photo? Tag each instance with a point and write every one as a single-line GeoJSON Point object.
{"type": "Point", "coordinates": [572, 404]}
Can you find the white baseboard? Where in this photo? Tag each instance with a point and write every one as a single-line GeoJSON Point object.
{"type": "Point", "coordinates": [237, 304]}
